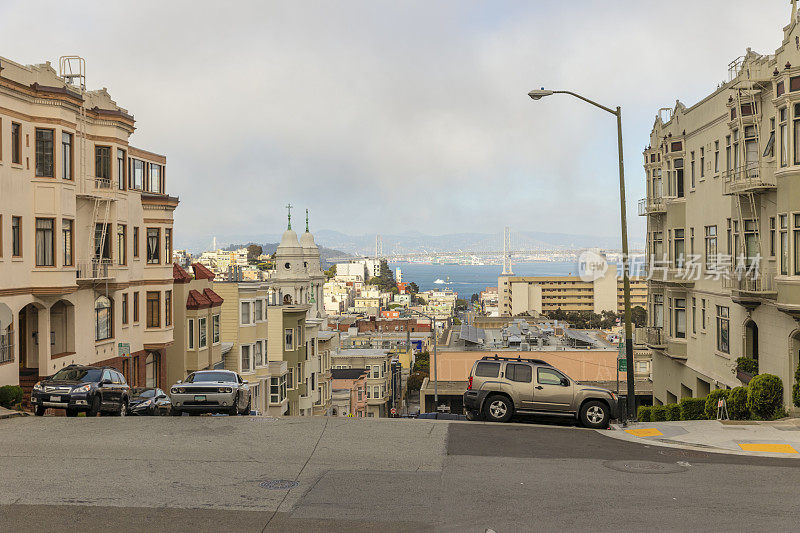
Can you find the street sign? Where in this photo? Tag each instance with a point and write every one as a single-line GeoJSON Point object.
{"type": "Point", "coordinates": [622, 365]}
{"type": "Point", "coordinates": [394, 411]}
{"type": "Point", "coordinates": [621, 349]}
{"type": "Point", "coordinates": [124, 349]}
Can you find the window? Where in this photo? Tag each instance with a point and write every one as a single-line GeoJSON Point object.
{"type": "Point", "coordinates": [277, 389]}
{"type": "Point", "coordinates": [519, 372]}
{"type": "Point", "coordinates": [289, 339]}
{"type": "Point", "coordinates": [44, 242]}
{"type": "Point", "coordinates": [136, 307]}
{"type": "Point", "coordinates": [153, 252]}
{"type": "Point", "coordinates": [772, 236]}
{"type": "Point", "coordinates": [215, 329]}
{"type": "Point", "coordinates": [680, 247]}
{"type": "Point", "coordinates": [736, 150]}
{"type": "Point", "coordinates": [102, 242]}
{"type": "Point", "coordinates": [796, 233]}
{"type": "Point", "coordinates": [167, 245]}
{"type": "Point", "coordinates": [155, 178]}
{"type": "Point", "coordinates": [258, 311]}
{"type": "Point", "coordinates": [769, 150]}
{"type": "Point", "coordinates": [723, 329]}
{"type": "Point", "coordinates": [122, 244]}
{"type": "Point", "coordinates": [258, 355]}
{"type": "Point", "coordinates": [102, 319]}
{"type": "Point", "coordinates": [44, 153]}
{"type": "Point", "coordinates": [167, 308]}
{"type": "Point", "coordinates": [691, 169]}
{"type": "Point", "coordinates": [728, 153]}
{"type": "Point", "coordinates": [796, 138]}
{"type": "Point", "coordinates": [658, 310]}
{"type": "Point", "coordinates": [487, 370]}
{"type": "Point", "coordinates": [784, 137]}
{"type": "Point", "coordinates": [245, 349]}
{"type": "Point", "coordinates": [135, 241]}
{"type": "Point", "coordinates": [202, 331]}
{"type": "Point", "coordinates": [190, 334]}
{"type": "Point", "coordinates": [136, 178]}
{"type": "Point", "coordinates": [694, 315]}
{"type": "Point", "coordinates": [376, 371]}
{"type": "Point", "coordinates": [68, 243]}
{"type": "Point", "coordinates": [784, 241]}
{"type": "Point", "coordinates": [125, 308]}
{"type": "Point", "coordinates": [16, 237]}
{"type": "Point", "coordinates": [290, 379]}
{"type": "Point", "coordinates": [679, 176]}
{"type": "Point", "coordinates": [121, 174]}
{"type": "Point", "coordinates": [66, 155]}
{"type": "Point", "coordinates": [246, 318]}
{"type": "Point", "coordinates": [716, 157]}
{"type": "Point", "coordinates": [751, 250]}
{"type": "Point", "coordinates": [102, 163]}
{"type": "Point", "coordinates": [702, 162]}
{"type": "Point", "coordinates": [548, 376]}
{"type": "Point", "coordinates": [703, 314]}
{"type": "Point", "coordinates": [153, 309]}
{"type": "Point", "coordinates": [680, 318]}
{"type": "Point", "coordinates": [150, 373]}
{"type": "Point", "coordinates": [16, 143]}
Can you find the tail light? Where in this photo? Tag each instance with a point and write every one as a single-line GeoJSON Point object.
{"type": "Point", "coordinates": [469, 383]}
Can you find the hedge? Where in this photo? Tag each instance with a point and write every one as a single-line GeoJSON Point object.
{"type": "Point", "coordinates": [713, 399]}
{"type": "Point", "coordinates": [747, 364]}
{"type": "Point", "coordinates": [643, 415]}
{"type": "Point", "coordinates": [737, 404]}
{"type": "Point", "coordinates": [658, 414]}
{"type": "Point", "coordinates": [693, 408]}
{"type": "Point", "coordinates": [673, 411]}
{"type": "Point", "coordinates": [796, 387]}
{"type": "Point", "coordinates": [765, 396]}
{"type": "Point", "coordinates": [10, 395]}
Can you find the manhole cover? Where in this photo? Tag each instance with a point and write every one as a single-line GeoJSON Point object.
{"type": "Point", "coordinates": [279, 484]}
{"type": "Point", "coordinates": [644, 467]}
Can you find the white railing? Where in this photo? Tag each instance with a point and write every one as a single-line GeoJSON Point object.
{"type": "Point", "coordinates": [756, 281]}
{"type": "Point", "coordinates": [654, 336]}
{"type": "Point", "coordinates": [94, 269]}
{"type": "Point", "coordinates": [650, 205]}
{"type": "Point", "coordinates": [102, 183]}
{"type": "Point", "coordinates": [748, 177]}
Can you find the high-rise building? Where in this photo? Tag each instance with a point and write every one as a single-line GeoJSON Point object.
{"type": "Point", "coordinates": [85, 231]}
{"type": "Point", "coordinates": [723, 228]}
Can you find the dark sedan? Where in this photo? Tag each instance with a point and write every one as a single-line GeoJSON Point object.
{"type": "Point", "coordinates": [148, 401]}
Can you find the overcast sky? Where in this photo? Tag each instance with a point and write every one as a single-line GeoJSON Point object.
{"type": "Point", "coordinates": [395, 116]}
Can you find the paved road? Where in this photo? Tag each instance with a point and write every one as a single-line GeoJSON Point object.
{"type": "Point", "coordinates": [205, 474]}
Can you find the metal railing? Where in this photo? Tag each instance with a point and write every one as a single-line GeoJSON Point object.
{"type": "Point", "coordinates": [102, 183]}
{"type": "Point", "coordinates": [654, 336]}
{"type": "Point", "coordinates": [650, 205]}
{"type": "Point", "coordinates": [747, 178]}
{"type": "Point", "coordinates": [93, 269]}
{"type": "Point", "coordinates": [755, 282]}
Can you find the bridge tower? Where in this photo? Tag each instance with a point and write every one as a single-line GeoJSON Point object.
{"type": "Point", "coordinates": [507, 252]}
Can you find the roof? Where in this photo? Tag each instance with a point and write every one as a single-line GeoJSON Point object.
{"type": "Point", "coordinates": [201, 272]}
{"type": "Point", "coordinates": [472, 334]}
{"type": "Point", "coordinates": [325, 335]}
{"type": "Point", "coordinates": [216, 299]}
{"type": "Point", "coordinates": [347, 373]}
{"type": "Point", "coordinates": [179, 275]}
{"type": "Point", "coordinates": [225, 347]}
{"type": "Point", "coordinates": [362, 352]}
{"type": "Point", "coordinates": [579, 336]}
{"type": "Point", "coordinates": [197, 300]}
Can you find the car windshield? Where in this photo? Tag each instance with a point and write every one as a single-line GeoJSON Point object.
{"type": "Point", "coordinates": [143, 392]}
{"type": "Point", "coordinates": [199, 377]}
{"type": "Point", "coordinates": [86, 375]}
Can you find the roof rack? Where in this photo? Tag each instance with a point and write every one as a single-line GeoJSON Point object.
{"type": "Point", "coordinates": [496, 357]}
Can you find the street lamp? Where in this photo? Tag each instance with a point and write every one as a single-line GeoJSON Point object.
{"type": "Point", "coordinates": [538, 94]}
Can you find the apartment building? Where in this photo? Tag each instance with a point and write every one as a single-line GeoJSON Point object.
{"type": "Point", "coordinates": [197, 319]}
{"type": "Point", "coordinates": [540, 294]}
{"type": "Point", "coordinates": [349, 392]}
{"type": "Point", "coordinates": [723, 223]}
{"type": "Point", "coordinates": [85, 232]}
{"type": "Point", "coordinates": [379, 381]}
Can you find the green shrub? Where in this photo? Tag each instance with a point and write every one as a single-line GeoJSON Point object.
{"type": "Point", "coordinates": [673, 411]}
{"type": "Point", "coordinates": [713, 399]}
{"type": "Point", "coordinates": [765, 396]}
{"type": "Point", "coordinates": [737, 404]}
{"type": "Point", "coordinates": [658, 414]}
{"type": "Point", "coordinates": [10, 395]}
{"type": "Point", "coordinates": [693, 408]}
{"type": "Point", "coordinates": [643, 415]}
{"type": "Point", "coordinates": [747, 364]}
{"type": "Point", "coordinates": [796, 387]}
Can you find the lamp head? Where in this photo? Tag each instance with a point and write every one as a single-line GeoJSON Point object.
{"type": "Point", "coordinates": [538, 94]}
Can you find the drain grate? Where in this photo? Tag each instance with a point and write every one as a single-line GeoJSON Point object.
{"type": "Point", "coordinates": [644, 467]}
{"type": "Point", "coordinates": [278, 484]}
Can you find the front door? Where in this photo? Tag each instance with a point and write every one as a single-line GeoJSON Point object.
{"type": "Point", "coordinates": [23, 335]}
{"type": "Point", "coordinates": [551, 393]}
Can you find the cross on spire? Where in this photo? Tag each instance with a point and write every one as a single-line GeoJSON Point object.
{"type": "Point", "coordinates": [306, 220]}
{"type": "Point", "coordinates": [289, 208]}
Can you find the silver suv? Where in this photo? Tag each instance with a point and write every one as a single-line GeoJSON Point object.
{"type": "Point", "coordinates": [501, 386]}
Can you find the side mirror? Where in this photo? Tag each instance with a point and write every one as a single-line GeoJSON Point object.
{"type": "Point", "coordinates": [105, 381]}
{"type": "Point", "coordinates": [564, 382]}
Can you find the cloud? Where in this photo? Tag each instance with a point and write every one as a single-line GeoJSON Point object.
{"type": "Point", "coordinates": [395, 116]}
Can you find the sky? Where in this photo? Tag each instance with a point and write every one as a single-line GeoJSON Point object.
{"type": "Point", "coordinates": [390, 117]}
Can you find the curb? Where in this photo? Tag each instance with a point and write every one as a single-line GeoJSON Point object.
{"type": "Point", "coordinates": [11, 414]}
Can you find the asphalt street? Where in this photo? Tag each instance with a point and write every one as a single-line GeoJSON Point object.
{"type": "Point", "coordinates": [244, 474]}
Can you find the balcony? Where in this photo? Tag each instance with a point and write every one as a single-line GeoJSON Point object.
{"type": "Point", "coordinates": [748, 288]}
{"type": "Point", "coordinates": [652, 206]}
{"type": "Point", "coordinates": [654, 337]}
{"type": "Point", "coordinates": [98, 188]}
{"type": "Point", "coordinates": [94, 270]}
{"type": "Point", "coordinates": [748, 178]}
{"type": "Point", "coordinates": [669, 275]}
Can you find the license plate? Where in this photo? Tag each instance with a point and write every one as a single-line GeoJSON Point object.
{"type": "Point", "coordinates": [55, 398]}
{"type": "Point", "coordinates": [200, 398]}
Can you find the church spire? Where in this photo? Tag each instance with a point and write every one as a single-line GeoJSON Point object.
{"type": "Point", "coordinates": [289, 208]}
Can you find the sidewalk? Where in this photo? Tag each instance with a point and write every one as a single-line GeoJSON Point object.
{"type": "Point", "coordinates": [780, 438]}
{"type": "Point", "coordinates": [7, 413]}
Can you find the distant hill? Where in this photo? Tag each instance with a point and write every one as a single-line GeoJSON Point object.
{"type": "Point", "coordinates": [270, 247]}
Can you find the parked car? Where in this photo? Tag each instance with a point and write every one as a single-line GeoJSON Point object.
{"type": "Point", "coordinates": [498, 387]}
{"type": "Point", "coordinates": [211, 391]}
{"type": "Point", "coordinates": [79, 388]}
{"type": "Point", "coordinates": [149, 401]}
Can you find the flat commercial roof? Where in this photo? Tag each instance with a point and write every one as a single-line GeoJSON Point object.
{"type": "Point", "coordinates": [472, 334]}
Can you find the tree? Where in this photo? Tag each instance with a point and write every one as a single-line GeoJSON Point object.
{"type": "Point", "coordinates": [412, 288]}
{"type": "Point", "coordinates": [461, 304]}
{"type": "Point", "coordinates": [474, 298]}
{"type": "Point", "coordinates": [639, 316]}
{"type": "Point", "coordinates": [253, 251]}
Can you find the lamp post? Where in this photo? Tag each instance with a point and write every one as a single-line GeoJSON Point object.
{"type": "Point", "coordinates": [631, 400]}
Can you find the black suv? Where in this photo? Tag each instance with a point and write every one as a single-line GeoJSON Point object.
{"type": "Point", "coordinates": [82, 388]}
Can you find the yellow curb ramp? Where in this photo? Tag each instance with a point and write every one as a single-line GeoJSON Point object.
{"type": "Point", "coordinates": [645, 432]}
{"type": "Point", "coordinates": [769, 448]}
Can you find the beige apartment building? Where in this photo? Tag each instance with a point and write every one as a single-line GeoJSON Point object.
{"type": "Point", "coordinates": [540, 294]}
{"type": "Point", "coordinates": [378, 383]}
{"type": "Point", "coordinates": [723, 191]}
{"type": "Point", "coordinates": [85, 232]}
{"type": "Point", "coordinates": [196, 314]}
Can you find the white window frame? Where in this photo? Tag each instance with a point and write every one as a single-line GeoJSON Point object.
{"type": "Point", "coordinates": [289, 347]}
{"type": "Point", "coordinates": [215, 330]}
{"type": "Point", "coordinates": [202, 333]}
{"type": "Point", "coordinates": [290, 378]}
{"type": "Point", "coordinates": [250, 358]}
{"type": "Point", "coordinates": [258, 310]}
{"type": "Point", "coordinates": [258, 347]}
{"type": "Point", "coordinates": [249, 304]}
{"type": "Point", "coordinates": [190, 334]}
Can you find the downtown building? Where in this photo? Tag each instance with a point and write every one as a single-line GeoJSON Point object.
{"type": "Point", "coordinates": [723, 229]}
{"type": "Point", "coordinates": [85, 232]}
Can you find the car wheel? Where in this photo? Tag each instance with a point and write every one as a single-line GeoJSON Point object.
{"type": "Point", "coordinates": [246, 410]}
{"type": "Point", "coordinates": [72, 412]}
{"type": "Point", "coordinates": [233, 410]}
{"type": "Point", "coordinates": [498, 409]}
{"type": "Point", "coordinates": [39, 410]}
{"type": "Point", "coordinates": [94, 410]}
{"type": "Point", "coordinates": [594, 415]}
{"type": "Point", "coordinates": [175, 412]}
{"type": "Point", "coordinates": [123, 407]}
